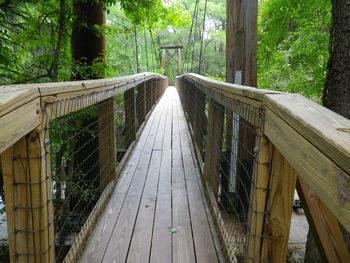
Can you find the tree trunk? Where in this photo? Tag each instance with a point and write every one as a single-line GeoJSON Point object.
{"type": "Point", "coordinates": [88, 41]}
{"type": "Point", "coordinates": [336, 93]}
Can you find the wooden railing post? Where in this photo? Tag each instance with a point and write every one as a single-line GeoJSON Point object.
{"type": "Point", "coordinates": [28, 195]}
{"type": "Point", "coordinates": [279, 209]}
{"type": "Point", "coordinates": [258, 198]}
{"type": "Point", "coordinates": [107, 141]}
{"type": "Point", "coordinates": [148, 95]}
{"type": "Point", "coordinates": [213, 146]}
{"type": "Point", "coordinates": [199, 119]}
{"type": "Point", "coordinates": [141, 103]}
{"type": "Point", "coordinates": [130, 116]}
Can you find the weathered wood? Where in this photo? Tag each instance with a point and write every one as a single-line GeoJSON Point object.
{"type": "Point", "coordinates": [141, 103]}
{"type": "Point", "coordinates": [244, 91]}
{"type": "Point", "coordinates": [203, 241]}
{"type": "Point", "coordinates": [27, 182]}
{"type": "Point", "coordinates": [19, 122]}
{"type": "Point", "coordinates": [325, 178]}
{"type": "Point", "coordinates": [200, 126]}
{"type": "Point", "coordinates": [277, 222]}
{"type": "Point", "coordinates": [12, 98]}
{"type": "Point", "coordinates": [107, 141]}
{"type": "Point", "coordinates": [213, 147]}
{"type": "Point", "coordinates": [130, 116]}
{"type": "Point", "coordinates": [325, 129]}
{"type": "Point", "coordinates": [148, 96]}
{"type": "Point", "coordinates": [99, 239]}
{"type": "Point", "coordinates": [258, 200]}
{"type": "Point", "coordinates": [324, 225]}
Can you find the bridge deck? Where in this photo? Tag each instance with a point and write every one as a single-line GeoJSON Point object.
{"type": "Point", "coordinates": [157, 212]}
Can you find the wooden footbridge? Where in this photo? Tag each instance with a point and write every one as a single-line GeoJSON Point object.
{"type": "Point", "coordinates": [131, 170]}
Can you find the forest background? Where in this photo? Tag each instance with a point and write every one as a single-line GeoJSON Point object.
{"type": "Point", "coordinates": [293, 36]}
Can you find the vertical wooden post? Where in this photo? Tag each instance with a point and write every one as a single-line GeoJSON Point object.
{"type": "Point", "coordinates": [164, 60]}
{"type": "Point", "coordinates": [130, 116]}
{"type": "Point", "coordinates": [277, 222]}
{"type": "Point", "coordinates": [148, 95]}
{"type": "Point", "coordinates": [107, 141]}
{"type": "Point", "coordinates": [200, 124]}
{"type": "Point", "coordinates": [141, 103]}
{"type": "Point", "coordinates": [258, 199]}
{"type": "Point", "coordinates": [324, 225]}
{"type": "Point", "coordinates": [213, 147]}
{"type": "Point", "coordinates": [28, 192]}
{"type": "Point", "coordinates": [179, 62]}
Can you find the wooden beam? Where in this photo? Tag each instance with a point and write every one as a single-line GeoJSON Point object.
{"type": "Point", "coordinates": [326, 179]}
{"type": "Point", "coordinates": [279, 204]}
{"type": "Point", "coordinates": [130, 116]}
{"type": "Point", "coordinates": [17, 123]}
{"type": "Point", "coordinates": [107, 143]}
{"type": "Point", "coordinates": [213, 147]}
{"type": "Point", "coordinates": [28, 193]}
{"type": "Point", "coordinates": [324, 225]}
{"type": "Point", "coordinates": [259, 192]}
{"type": "Point", "coordinates": [325, 129]}
{"type": "Point", "coordinates": [141, 103]}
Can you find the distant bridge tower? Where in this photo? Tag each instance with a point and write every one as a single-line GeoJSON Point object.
{"type": "Point", "coordinates": [174, 54]}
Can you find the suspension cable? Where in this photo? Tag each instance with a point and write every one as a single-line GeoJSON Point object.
{"type": "Point", "coordinates": [202, 38]}
{"type": "Point", "coordinates": [189, 37]}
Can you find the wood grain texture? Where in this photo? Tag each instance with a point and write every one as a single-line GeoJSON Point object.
{"type": "Point", "coordinates": [214, 144]}
{"type": "Point", "coordinates": [324, 225]}
{"type": "Point", "coordinates": [245, 91]}
{"type": "Point", "coordinates": [12, 98]}
{"type": "Point", "coordinates": [326, 179]}
{"type": "Point", "coordinates": [259, 193]}
{"type": "Point", "coordinates": [323, 128]}
{"type": "Point", "coordinates": [19, 122]}
{"type": "Point", "coordinates": [107, 141]}
{"type": "Point", "coordinates": [277, 224]}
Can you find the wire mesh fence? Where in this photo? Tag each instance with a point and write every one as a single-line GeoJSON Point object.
{"type": "Point", "coordinates": [227, 133]}
{"type": "Point", "coordinates": [85, 148]}
{"type": "Point", "coordinates": [68, 161]}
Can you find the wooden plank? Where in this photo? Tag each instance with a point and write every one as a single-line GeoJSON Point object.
{"type": "Point", "coordinates": [203, 241]}
{"type": "Point", "coordinates": [324, 177]}
{"type": "Point", "coordinates": [183, 250]}
{"type": "Point", "coordinates": [325, 129]}
{"type": "Point", "coordinates": [277, 223]}
{"type": "Point", "coordinates": [41, 196]}
{"type": "Point", "coordinates": [161, 250]}
{"type": "Point", "coordinates": [200, 126]}
{"type": "Point", "coordinates": [98, 241]}
{"type": "Point", "coordinates": [324, 225]}
{"type": "Point", "coordinates": [258, 199]}
{"type": "Point", "coordinates": [117, 248]}
{"type": "Point", "coordinates": [12, 98]}
{"type": "Point", "coordinates": [244, 91]}
{"type": "Point", "coordinates": [130, 116]}
{"type": "Point", "coordinates": [107, 142]}
{"type": "Point", "coordinates": [19, 122]}
{"type": "Point", "coordinates": [213, 147]}
{"type": "Point", "coordinates": [140, 245]}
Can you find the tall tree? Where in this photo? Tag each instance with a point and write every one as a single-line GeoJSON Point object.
{"type": "Point", "coordinates": [336, 94]}
{"type": "Point", "coordinates": [88, 40]}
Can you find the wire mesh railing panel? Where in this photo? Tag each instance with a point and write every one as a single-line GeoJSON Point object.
{"type": "Point", "coordinates": [86, 147]}
{"type": "Point", "coordinates": [227, 134]}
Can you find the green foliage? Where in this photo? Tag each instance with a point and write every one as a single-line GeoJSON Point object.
{"type": "Point", "coordinates": [293, 45]}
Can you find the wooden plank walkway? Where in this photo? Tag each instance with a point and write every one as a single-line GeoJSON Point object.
{"type": "Point", "coordinates": [157, 212]}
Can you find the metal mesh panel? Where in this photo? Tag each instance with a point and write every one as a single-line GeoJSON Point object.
{"type": "Point", "coordinates": [227, 134]}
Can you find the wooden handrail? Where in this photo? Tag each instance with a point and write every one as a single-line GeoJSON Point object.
{"type": "Point", "coordinates": [25, 112]}
{"type": "Point", "coordinates": [310, 142]}
{"type": "Point", "coordinates": [22, 106]}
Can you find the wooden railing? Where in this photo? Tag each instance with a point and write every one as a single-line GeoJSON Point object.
{"type": "Point", "coordinates": [25, 114]}
{"type": "Point", "coordinates": [269, 143]}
